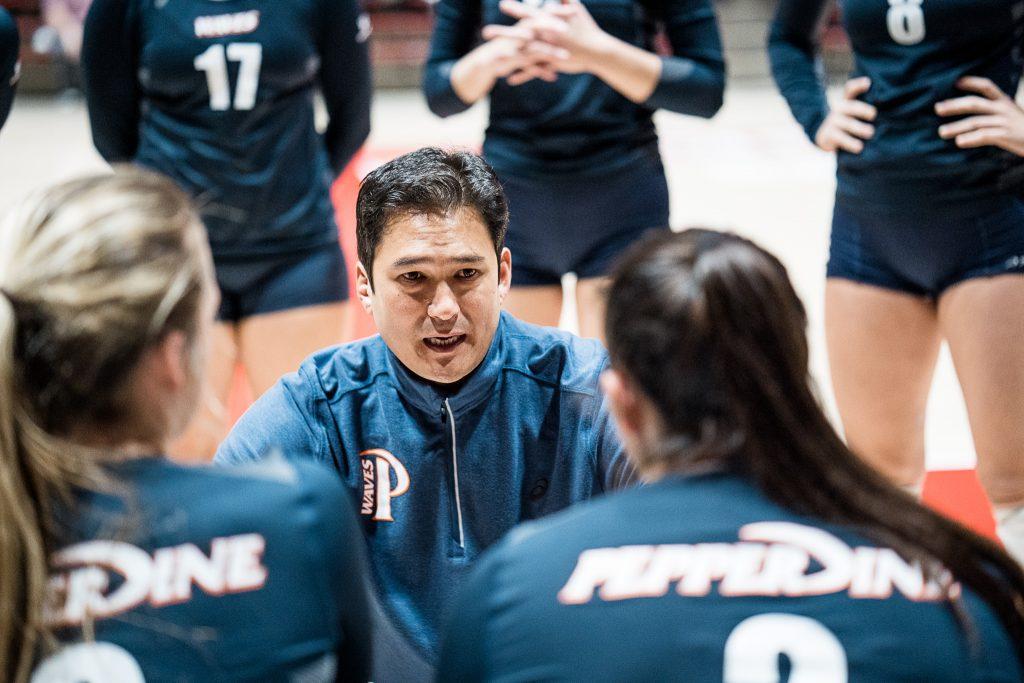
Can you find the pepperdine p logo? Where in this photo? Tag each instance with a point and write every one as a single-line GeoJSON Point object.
{"type": "Point", "coordinates": [377, 465]}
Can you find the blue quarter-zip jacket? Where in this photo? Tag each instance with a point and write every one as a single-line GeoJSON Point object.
{"type": "Point", "coordinates": [440, 478]}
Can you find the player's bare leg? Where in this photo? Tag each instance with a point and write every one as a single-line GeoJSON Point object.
{"type": "Point", "coordinates": [210, 425]}
{"type": "Point", "coordinates": [983, 320]}
{"type": "Point", "coordinates": [540, 305]}
{"type": "Point", "coordinates": [274, 344]}
{"type": "Point", "coordinates": [590, 304]}
{"type": "Point", "coordinates": [882, 346]}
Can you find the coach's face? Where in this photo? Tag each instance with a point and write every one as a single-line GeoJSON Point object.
{"type": "Point", "coordinates": [437, 292]}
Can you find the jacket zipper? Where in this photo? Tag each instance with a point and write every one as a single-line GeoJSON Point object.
{"type": "Point", "coordinates": [455, 474]}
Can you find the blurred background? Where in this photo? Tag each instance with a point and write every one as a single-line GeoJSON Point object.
{"type": "Point", "coordinates": [51, 39]}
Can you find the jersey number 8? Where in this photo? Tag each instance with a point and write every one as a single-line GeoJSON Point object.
{"type": "Point", "coordinates": [906, 21]}
{"type": "Point", "coordinates": [214, 63]}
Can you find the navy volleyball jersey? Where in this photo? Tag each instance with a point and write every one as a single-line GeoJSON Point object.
{"type": "Point", "coordinates": [218, 95]}
{"type": "Point", "coordinates": [704, 579]}
{"type": "Point", "coordinates": [578, 124]}
{"type": "Point", "coordinates": [8, 62]}
{"type": "Point", "coordinates": [913, 51]}
{"type": "Point", "coordinates": [197, 574]}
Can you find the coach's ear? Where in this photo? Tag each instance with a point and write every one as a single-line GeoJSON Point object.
{"type": "Point", "coordinates": [364, 290]}
{"type": "Point", "coordinates": [504, 274]}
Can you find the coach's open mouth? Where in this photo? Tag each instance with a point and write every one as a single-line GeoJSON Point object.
{"type": "Point", "coordinates": [444, 344]}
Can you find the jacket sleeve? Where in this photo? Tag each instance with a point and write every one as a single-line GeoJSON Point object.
{"type": "Point", "coordinates": [693, 79]}
{"type": "Point", "coordinates": [280, 421]}
{"type": "Point", "coordinates": [796, 67]}
{"type": "Point", "coordinates": [110, 54]}
{"type": "Point", "coordinates": [345, 78]}
{"type": "Point", "coordinates": [9, 46]}
{"type": "Point", "coordinates": [456, 28]}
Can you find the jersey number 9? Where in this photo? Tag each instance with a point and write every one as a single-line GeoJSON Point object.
{"type": "Point", "coordinates": [753, 649]}
{"type": "Point", "coordinates": [214, 63]}
{"type": "Point", "coordinates": [93, 662]}
{"type": "Point", "coordinates": [906, 21]}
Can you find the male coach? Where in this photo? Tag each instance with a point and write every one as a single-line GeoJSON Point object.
{"type": "Point", "coordinates": [458, 421]}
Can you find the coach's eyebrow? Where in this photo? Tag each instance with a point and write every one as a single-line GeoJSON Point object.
{"type": "Point", "coordinates": [465, 259]}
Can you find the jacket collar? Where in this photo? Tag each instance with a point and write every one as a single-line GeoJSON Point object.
{"type": "Point", "coordinates": [475, 387]}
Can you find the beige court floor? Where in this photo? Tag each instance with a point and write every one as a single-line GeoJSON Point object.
{"type": "Point", "coordinates": [749, 170]}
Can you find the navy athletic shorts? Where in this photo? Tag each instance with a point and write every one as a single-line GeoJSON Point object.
{"type": "Point", "coordinates": [257, 285]}
{"type": "Point", "coordinates": [580, 224]}
{"type": "Point", "coordinates": [926, 256]}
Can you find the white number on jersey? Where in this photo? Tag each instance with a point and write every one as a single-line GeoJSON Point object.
{"type": "Point", "coordinates": [89, 663]}
{"type": "Point", "coordinates": [753, 648]}
{"type": "Point", "coordinates": [906, 21]}
{"type": "Point", "coordinates": [214, 63]}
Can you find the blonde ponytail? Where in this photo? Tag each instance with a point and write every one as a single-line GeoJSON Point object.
{"type": "Point", "coordinates": [22, 549]}
{"type": "Point", "coordinates": [91, 273]}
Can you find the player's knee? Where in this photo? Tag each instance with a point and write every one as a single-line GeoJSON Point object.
{"type": "Point", "coordinates": [1003, 477]}
{"type": "Point", "coordinates": [900, 459]}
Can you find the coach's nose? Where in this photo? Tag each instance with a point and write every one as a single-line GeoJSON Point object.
{"type": "Point", "coordinates": [443, 307]}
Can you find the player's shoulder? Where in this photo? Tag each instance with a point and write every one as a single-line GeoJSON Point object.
{"type": "Point", "coordinates": [273, 494]}
{"type": "Point", "coordinates": [710, 507]}
{"type": "Point", "coordinates": [551, 355]}
{"type": "Point", "coordinates": [344, 368]}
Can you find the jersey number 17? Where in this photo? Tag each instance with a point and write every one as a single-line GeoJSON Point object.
{"type": "Point", "coordinates": [214, 63]}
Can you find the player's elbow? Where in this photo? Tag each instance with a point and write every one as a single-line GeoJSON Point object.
{"type": "Point", "coordinates": [441, 105]}
{"type": "Point", "coordinates": [783, 43]}
{"type": "Point", "coordinates": [113, 150]}
{"type": "Point", "coordinates": [695, 87]}
{"type": "Point", "coordinates": [714, 95]}
{"type": "Point", "coordinates": [343, 147]}
{"type": "Point", "coordinates": [709, 96]}
{"type": "Point", "coordinates": [437, 89]}
{"type": "Point", "coordinates": [362, 133]}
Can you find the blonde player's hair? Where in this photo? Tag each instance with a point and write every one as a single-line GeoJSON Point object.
{"type": "Point", "coordinates": [92, 273]}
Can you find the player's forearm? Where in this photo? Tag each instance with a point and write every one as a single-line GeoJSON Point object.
{"type": "Point", "coordinates": [110, 81]}
{"type": "Point", "coordinates": [6, 99]}
{"type": "Point", "coordinates": [347, 86]}
{"type": "Point", "coordinates": [792, 52]}
{"type": "Point", "coordinates": [344, 140]}
{"type": "Point", "coordinates": [631, 71]}
{"type": "Point", "coordinates": [473, 76]}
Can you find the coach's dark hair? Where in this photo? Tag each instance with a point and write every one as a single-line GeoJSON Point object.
{"type": "Point", "coordinates": [708, 327]}
{"type": "Point", "coordinates": [93, 272]}
{"type": "Point", "coordinates": [428, 181]}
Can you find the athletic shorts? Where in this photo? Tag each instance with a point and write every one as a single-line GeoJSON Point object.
{"type": "Point", "coordinates": [258, 285]}
{"type": "Point", "coordinates": [925, 257]}
{"type": "Point", "coordinates": [581, 224]}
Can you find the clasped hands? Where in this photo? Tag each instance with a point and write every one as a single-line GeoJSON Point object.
{"type": "Point", "coordinates": [558, 37]}
{"type": "Point", "coordinates": [991, 118]}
